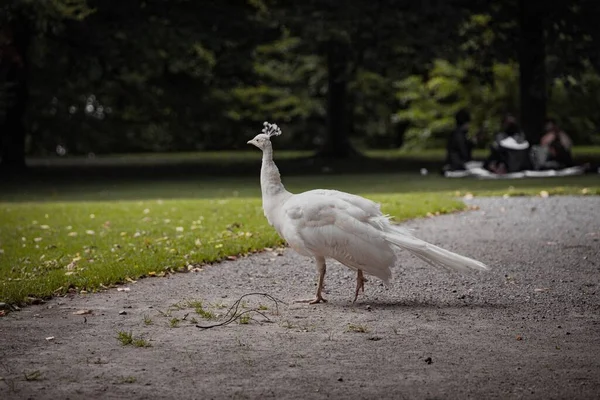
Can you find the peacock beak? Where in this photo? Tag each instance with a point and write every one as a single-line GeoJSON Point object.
{"type": "Point", "coordinates": [249, 142]}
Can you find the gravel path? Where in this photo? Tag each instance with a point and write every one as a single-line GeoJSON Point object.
{"type": "Point", "coordinates": [528, 329]}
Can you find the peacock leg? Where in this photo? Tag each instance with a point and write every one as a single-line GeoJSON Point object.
{"type": "Point", "coordinates": [360, 284]}
{"type": "Point", "coordinates": [322, 269]}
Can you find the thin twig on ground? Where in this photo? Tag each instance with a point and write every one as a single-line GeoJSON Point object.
{"type": "Point", "coordinates": [234, 315]}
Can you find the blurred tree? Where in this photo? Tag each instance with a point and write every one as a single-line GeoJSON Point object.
{"type": "Point", "coordinates": [379, 39]}
{"type": "Point", "coordinates": [553, 40]}
{"type": "Point", "coordinates": [432, 103]}
{"type": "Point", "coordinates": [151, 75]}
{"type": "Point", "coordinates": [532, 68]}
{"type": "Point", "coordinates": [120, 89]}
{"type": "Point", "coordinates": [490, 46]}
{"type": "Point", "coordinates": [21, 21]}
{"type": "Point", "coordinates": [288, 88]}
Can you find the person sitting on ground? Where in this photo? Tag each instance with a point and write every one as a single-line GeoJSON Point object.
{"type": "Point", "coordinates": [459, 147]}
{"type": "Point", "coordinates": [556, 145]}
{"type": "Point", "coordinates": [510, 150]}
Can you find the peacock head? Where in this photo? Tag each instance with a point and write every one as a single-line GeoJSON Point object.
{"type": "Point", "coordinates": [263, 140]}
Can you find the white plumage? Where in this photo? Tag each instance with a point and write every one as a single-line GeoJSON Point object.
{"type": "Point", "coordinates": [348, 228]}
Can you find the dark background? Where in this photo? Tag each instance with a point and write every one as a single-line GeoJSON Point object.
{"type": "Point", "coordinates": [122, 76]}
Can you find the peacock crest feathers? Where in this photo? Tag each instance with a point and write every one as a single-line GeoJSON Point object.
{"type": "Point", "coordinates": [271, 129]}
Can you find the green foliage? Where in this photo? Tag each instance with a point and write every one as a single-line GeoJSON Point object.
{"type": "Point", "coordinates": [574, 102]}
{"type": "Point", "coordinates": [429, 105]}
{"type": "Point", "coordinates": [116, 76]}
{"type": "Point", "coordinates": [105, 84]}
{"type": "Point", "coordinates": [289, 89]}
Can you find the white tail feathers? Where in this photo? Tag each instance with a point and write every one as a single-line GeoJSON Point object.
{"type": "Point", "coordinates": [430, 253]}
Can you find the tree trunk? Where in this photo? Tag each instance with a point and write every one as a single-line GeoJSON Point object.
{"type": "Point", "coordinates": [337, 144]}
{"type": "Point", "coordinates": [532, 69]}
{"type": "Point", "coordinates": [14, 69]}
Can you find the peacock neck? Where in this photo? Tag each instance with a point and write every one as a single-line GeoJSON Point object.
{"type": "Point", "coordinates": [270, 180]}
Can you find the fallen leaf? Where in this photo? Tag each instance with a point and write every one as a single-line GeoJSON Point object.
{"type": "Point", "coordinates": [82, 312]}
{"type": "Point", "coordinates": [50, 338]}
{"type": "Point", "coordinates": [468, 196]}
{"type": "Point", "coordinates": [90, 232]}
{"type": "Point", "coordinates": [179, 229]}
{"type": "Point", "coordinates": [44, 227]}
{"type": "Point", "coordinates": [231, 258]}
{"type": "Point", "coordinates": [72, 233]}
{"type": "Point", "coordinates": [152, 273]}
{"type": "Point", "coordinates": [519, 337]}
{"type": "Point", "coordinates": [544, 194]}
{"type": "Point", "coordinates": [130, 280]}
{"type": "Point", "coordinates": [73, 264]}
{"type": "Point", "coordinates": [541, 289]}
{"type": "Point", "coordinates": [69, 273]}
{"type": "Point", "coordinates": [123, 289]}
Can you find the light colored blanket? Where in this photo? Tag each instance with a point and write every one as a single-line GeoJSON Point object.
{"type": "Point", "coordinates": [475, 169]}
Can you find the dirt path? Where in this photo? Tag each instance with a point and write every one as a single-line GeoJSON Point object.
{"type": "Point", "coordinates": [530, 328]}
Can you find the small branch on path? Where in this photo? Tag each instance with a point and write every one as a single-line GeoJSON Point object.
{"type": "Point", "coordinates": [234, 315]}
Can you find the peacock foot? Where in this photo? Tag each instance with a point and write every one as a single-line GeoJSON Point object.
{"type": "Point", "coordinates": [360, 284]}
{"type": "Point", "coordinates": [316, 300]}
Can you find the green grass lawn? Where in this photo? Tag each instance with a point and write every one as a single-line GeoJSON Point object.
{"type": "Point", "coordinates": [63, 234]}
{"type": "Point", "coordinates": [50, 247]}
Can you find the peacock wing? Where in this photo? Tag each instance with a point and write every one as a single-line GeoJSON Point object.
{"type": "Point", "coordinates": [323, 225]}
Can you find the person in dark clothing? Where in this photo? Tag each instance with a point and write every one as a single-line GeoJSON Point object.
{"type": "Point", "coordinates": [510, 150]}
{"type": "Point", "coordinates": [459, 147]}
